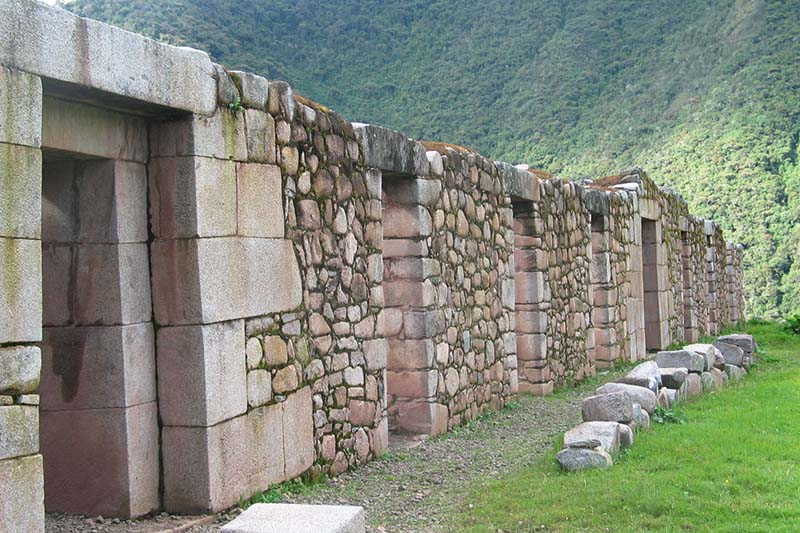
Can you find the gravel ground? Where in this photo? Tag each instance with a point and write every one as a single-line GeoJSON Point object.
{"type": "Point", "coordinates": [417, 486]}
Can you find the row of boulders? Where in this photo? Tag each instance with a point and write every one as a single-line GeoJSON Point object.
{"type": "Point", "coordinates": [619, 409]}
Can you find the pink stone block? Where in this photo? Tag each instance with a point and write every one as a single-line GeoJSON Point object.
{"type": "Point", "coordinates": [201, 373]}
{"type": "Point", "coordinates": [96, 367]}
{"type": "Point", "coordinates": [410, 354]}
{"type": "Point", "coordinates": [529, 287]}
{"type": "Point", "coordinates": [412, 384]}
{"type": "Point", "coordinates": [422, 418]}
{"type": "Point", "coordinates": [531, 347]}
{"type": "Point", "coordinates": [209, 469]}
{"type": "Point", "coordinates": [101, 461]}
{"type": "Point", "coordinates": [404, 221]}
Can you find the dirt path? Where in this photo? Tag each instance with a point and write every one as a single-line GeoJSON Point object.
{"type": "Point", "coordinates": [416, 489]}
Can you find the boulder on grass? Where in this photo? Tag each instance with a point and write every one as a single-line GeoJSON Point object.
{"type": "Point", "coordinates": [662, 400]}
{"type": "Point", "coordinates": [574, 459]}
{"type": "Point", "coordinates": [744, 341]}
{"type": "Point", "coordinates": [673, 396]}
{"type": "Point", "coordinates": [606, 433]}
{"type": "Point", "coordinates": [732, 354]}
{"type": "Point", "coordinates": [681, 359]}
{"type": "Point", "coordinates": [625, 436]}
{"type": "Point", "coordinates": [707, 351]}
{"type": "Point", "coordinates": [643, 375]}
{"type": "Point", "coordinates": [709, 385]}
{"type": "Point", "coordinates": [694, 386]}
{"type": "Point", "coordinates": [641, 395]}
{"type": "Point", "coordinates": [673, 378]}
{"type": "Point", "coordinates": [720, 379]}
{"type": "Point", "coordinates": [614, 407]}
{"type": "Point", "coordinates": [641, 420]}
{"type": "Point", "coordinates": [735, 373]}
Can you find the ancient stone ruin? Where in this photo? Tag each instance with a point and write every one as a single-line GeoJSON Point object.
{"type": "Point", "coordinates": [210, 284]}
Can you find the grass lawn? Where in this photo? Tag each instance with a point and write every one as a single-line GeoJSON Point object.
{"type": "Point", "coordinates": [733, 466]}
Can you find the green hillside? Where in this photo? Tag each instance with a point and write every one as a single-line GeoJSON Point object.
{"type": "Point", "coordinates": [703, 93]}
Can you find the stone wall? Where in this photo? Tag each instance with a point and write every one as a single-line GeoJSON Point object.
{"type": "Point", "coordinates": [238, 286]}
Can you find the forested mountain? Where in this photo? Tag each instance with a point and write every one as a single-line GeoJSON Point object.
{"type": "Point", "coordinates": [703, 93]}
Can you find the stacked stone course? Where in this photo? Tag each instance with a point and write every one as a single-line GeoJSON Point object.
{"type": "Point", "coordinates": [279, 288]}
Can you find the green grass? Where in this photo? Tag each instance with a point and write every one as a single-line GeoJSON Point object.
{"type": "Point", "coordinates": [732, 467]}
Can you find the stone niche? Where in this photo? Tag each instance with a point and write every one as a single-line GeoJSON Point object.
{"type": "Point", "coordinates": [98, 427]}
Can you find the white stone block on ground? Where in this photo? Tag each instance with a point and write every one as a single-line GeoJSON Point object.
{"type": "Point", "coordinates": [641, 395]}
{"type": "Point", "coordinates": [742, 340]}
{"type": "Point", "coordinates": [733, 354]}
{"type": "Point", "coordinates": [297, 518]}
{"type": "Point", "coordinates": [681, 359]}
{"type": "Point", "coordinates": [607, 433]}
{"type": "Point", "coordinates": [644, 375]}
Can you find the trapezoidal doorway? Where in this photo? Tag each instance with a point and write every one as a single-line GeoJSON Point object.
{"type": "Point", "coordinates": [99, 425]}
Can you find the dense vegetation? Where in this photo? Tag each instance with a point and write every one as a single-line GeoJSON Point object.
{"type": "Point", "coordinates": [704, 93]}
{"type": "Point", "coordinates": [730, 467]}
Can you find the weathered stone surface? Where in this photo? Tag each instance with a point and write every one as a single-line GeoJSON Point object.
{"type": "Point", "coordinates": [260, 200]}
{"type": "Point", "coordinates": [641, 418]}
{"type": "Point", "coordinates": [97, 367]}
{"type": "Point", "coordinates": [192, 197]}
{"type": "Point", "coordinates": [19, 369]}
{"type": "Point", "coordinates": [709, 384]}
{"type": "Point", "coordinates": [641, 395]}
{"type": "Point", "coordinates": [20, 189]}
{"type": "Point", "coordinates": [673, 378]}
{"type": "Point", "coordinates": [96, 284]}
{"type": "Point", "coordinates": [708, 351]}
{"type": "Point", "coordinates": [111, 466]}
{"type": "Point", "coordinates": [221, 136]}
{"type": "Point", "coordinates": [422, 418]}
{"type": "Point", "coordinates": [253, 89]}
{"type": "Point", "coordinates": [694, 385]}
{"type": "Point", "coordinates": [519, 182]}
{"type": "Point", "coordinates": [663, 399]}
{"type": "Point", "coordinates": [84, 129]}
{"type": "Point", "coordinates": [297, 518]}
{"type": "Point", "coordinates": [391, 151]}
{"type": "Point", "coordinates": [742, 340]}
{"type": "Point", "coordinates": [585, 443]}
{"type": "Point", "coordinates": [646, 374]}
{"type": "Point", "coordinates": [62, 46]}
{"type": "Point", "coordinates": [735, 373]}
{"type": "Point", "coordinates": [626, 435]}
{"type": "Point", "coordinates": [201, 373]}
{"type": "Point", "coordinates": [574, 459]}
{"type": "Point", "coordinates": [259, 387]}
{"type": "Point", "coordinates": [19, 425]}
{"type": "Point", "coordinates": [211, 280]}
{"type": "Point", "coordinates": [733, 354]}
{"type": "Point", "coordinates": [20, 107]}
{"type": "Point", "coordinates": [22, 494]}
{"type": "Point", "coordinates": [720, 378]}
{"type": "Point", "coordinates": [616, 407]}
{"type": "Point", "coordinates": [607, 433]}
{"type": "Point", "coordinates": [213, 468]}
{"type": "Point", "coordinates": [681, 359]}
{"type": "Point", "coordinates": [20, 291]}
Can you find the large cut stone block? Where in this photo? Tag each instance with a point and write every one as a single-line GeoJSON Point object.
{"type": "Point", "coordinates": [97, 367]}
{"type": "Point", "coordinates": [681, 359]}
{"type": "Point", "coordinates": [422, 418]}
{"type": "Point", "coordinates": [93, 284]}
{"type": "Point", "coordinates": [94, 202]}
{"type": "Point", "coordinates": [54, 43]}
{"type": "Point", "coordinates": [297, 518]}
{"type": "Point", "coordinates": [410, 354]}
{"type": "Point", "coordinates": [707, 351]}
{"type": "Point", "coordinates": [529, 287]}
{"type": "Point", "coordinates": [192, 197]}
{"type": "Point", "coordinates": [412, 384]}
{"type": "Point", "coordinates": [208, 469]}
{"type": "Point", "coordinates": [20, 291]}
{"type": "Point", "coordinates": [84, 129]}
{"type": "Point", "coordinates": [22, 495]}
{"type": "Point", "coordinates": [211, 280]}
{"type": "Point", "coordinates": [742, 340]}
{"type": "Point", "coordinates": [19, 426]}
{"type": "Point", "coordinates": [260, 200]}
{"type": "Point", "coordinates": [733, 355]}
{"type": "Point", "coordinates": [20, 103]}
{"type": "Point", "coordinates": [201, 373]}
{"type": "Point", "coordinates": [404, 221]}
{"type": "Point", "coordinates": [101, 461]}
{"type": "Point", "coordinates": [20, 190]}
{"type": "Point", "coordinates": [391, 151]}
{"type": "Point", "coordinates": [19, 369]}
{"type": "Point", "coordinates": [531, 347]}
{"type": "Point", "coordinates": [221, 136]}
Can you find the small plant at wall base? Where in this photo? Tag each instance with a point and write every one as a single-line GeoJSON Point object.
{"type": "Point", "coordinates": [667, 416]}
{"type": "Point", "coordinates": [792, 324]}
{"type": "Point", "coordinates": [236, 105]}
